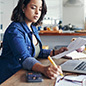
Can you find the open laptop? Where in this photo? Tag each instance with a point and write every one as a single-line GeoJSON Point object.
{"type": "Point", "coordinates": [75, 66]}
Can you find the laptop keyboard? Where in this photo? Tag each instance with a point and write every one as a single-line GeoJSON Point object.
{"type": "Point", "coordinates": [81, 66]}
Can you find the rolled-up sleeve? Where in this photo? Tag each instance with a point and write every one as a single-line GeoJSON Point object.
{"type": "Point", "coordinates": [29, 62]}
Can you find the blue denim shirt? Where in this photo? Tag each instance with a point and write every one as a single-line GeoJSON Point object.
{"type": "Point", "coordinates": [18, 50]}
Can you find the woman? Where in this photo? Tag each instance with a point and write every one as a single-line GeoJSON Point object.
{"type": "Point", "coordinates": [22, 44]}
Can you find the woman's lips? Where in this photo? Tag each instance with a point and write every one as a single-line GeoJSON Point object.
{"type": "Point", "coordinates": [35, 17]}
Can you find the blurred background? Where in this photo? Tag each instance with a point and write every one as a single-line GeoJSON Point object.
{"type": "Point", "coordinates": [68, 15]}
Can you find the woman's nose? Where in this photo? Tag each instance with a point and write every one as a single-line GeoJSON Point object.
{"type": "Point", "coordinates": [37, 11]}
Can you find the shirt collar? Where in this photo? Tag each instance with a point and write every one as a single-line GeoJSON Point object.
{"type": "Point", "coordinates": [27, 28]}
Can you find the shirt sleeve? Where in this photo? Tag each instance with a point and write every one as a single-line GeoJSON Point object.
{"type": "Point", "coordinates": [44, 53]}
{"type": "Point", "coordinates": [29, 62]}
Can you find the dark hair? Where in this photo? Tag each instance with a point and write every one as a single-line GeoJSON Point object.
{"type": "Point", "coordinates": [18, 15]}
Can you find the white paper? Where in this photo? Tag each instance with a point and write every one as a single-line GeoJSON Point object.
{"type": "Point", "coordinates": [68, 83]}
{"type": "Point", "coordinates": [77, 43]}
{"type": "Point", "coordinates": [84, 82]}
{"type": "Point", "coordinates": [72, 46]}
{"type": "Point", "coordinates": [76, 55]}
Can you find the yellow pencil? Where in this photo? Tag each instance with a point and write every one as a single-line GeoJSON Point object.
{"type": "Point", "coordinates": [52, 62]}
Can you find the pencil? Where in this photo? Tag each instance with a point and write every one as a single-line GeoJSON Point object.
{"type": "Point", "coordinates": [53, 63]}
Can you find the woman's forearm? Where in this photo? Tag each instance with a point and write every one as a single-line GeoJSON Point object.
{"type": "Point", "coordinates": [38, 67]}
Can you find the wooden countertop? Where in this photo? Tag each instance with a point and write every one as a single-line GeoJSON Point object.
{"type": "Point", "coordinates": [19, 78]}
{"type": "Point", "coordinates": [55, 33]}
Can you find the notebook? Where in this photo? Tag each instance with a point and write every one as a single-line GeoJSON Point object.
{"type": "Point", "coordinates": [75, 66]}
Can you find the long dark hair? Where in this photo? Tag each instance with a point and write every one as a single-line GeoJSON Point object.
{"type": "Point", "coordinates": [18, 15]}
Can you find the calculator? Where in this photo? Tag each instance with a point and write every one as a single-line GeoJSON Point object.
{"type": "Point", "coordinates": [34, 76]}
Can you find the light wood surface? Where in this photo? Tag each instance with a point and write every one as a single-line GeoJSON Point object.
{"type": "Point", "coordinates": [19, 78]}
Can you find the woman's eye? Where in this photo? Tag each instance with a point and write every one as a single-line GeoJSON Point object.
{"type": "Point", "coordinates": [40, 9]}
{"type": "Point", "coordinates": [33, 7]}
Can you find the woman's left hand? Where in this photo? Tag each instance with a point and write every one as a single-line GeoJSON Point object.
{"type": "Point", "coordinates": [60, 50]}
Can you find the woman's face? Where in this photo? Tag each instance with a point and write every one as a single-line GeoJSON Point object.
{"type": "Point", "coordinates": [33, 11]}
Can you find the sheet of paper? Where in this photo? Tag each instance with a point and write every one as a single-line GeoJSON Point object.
{"type": "Point", "coordinates": [72, 46]}
{"type": "Point", "coordinates": [77, 43]}
{"type": "Point", "coordinates": [68, 83]}
{"type": "Point", "coordinates": [76, 55]}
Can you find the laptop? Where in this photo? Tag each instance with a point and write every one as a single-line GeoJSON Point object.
{"type": "Point", "coordinates": [75, 66]}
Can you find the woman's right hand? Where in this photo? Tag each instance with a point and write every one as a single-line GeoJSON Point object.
{"type": "Point", "coordinates": [52, 72]}
{"type": "Point", "coordinates": [49, 71]}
